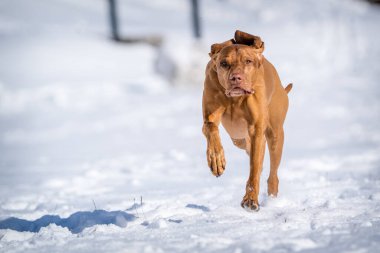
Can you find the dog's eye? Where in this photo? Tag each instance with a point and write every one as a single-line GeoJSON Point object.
{"type": "Point", "coordinates": [224, 64]}
{"type": "Point", "coordinates": [248, 61]}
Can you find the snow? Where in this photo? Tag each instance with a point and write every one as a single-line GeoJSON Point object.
{"type": "Point", "coordinates": [89, 125]}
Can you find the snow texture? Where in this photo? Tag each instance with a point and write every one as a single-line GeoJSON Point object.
{"type": "Point", "coordinates": [88, 127]}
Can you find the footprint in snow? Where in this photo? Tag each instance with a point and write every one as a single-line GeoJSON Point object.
{"type": "Point", "coordinates": [200, 207]}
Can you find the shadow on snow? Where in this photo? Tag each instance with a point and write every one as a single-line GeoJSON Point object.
{"type": "Point", "coordinates": [76, 222]}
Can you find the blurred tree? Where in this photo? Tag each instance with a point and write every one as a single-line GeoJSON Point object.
{"type": "Point", "coordinates": [114, 23]}
{"type": "Point", "coordinates": [113, 20]}
{"type": "Point", "coordinates": [196, 20]}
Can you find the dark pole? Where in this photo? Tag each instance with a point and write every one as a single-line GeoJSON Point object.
{"type": "Point", "coordinates": [113, 20]}
{"type": "Point", "coordinates": [195, 16]}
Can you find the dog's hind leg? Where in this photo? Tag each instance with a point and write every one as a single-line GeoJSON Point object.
{"type": "Point", "coordinates": [275, 138]}
{"type": "Point", "coordinates": [242, 144]}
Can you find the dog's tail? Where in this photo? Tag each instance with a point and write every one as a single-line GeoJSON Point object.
{"type": "Point", "coordinates": [289, 87]}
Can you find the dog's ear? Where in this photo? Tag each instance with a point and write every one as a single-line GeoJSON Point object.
{"type": "Point", "coordinates": [249, 40]}
{"type": "Point", "coordinates": [215, 48]}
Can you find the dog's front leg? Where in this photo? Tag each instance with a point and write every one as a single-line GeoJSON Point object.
{"type": "Point", "coordinates": [256, 156]}
{"type": "Point", "coordinates": [215, 152]}
{"type": "Point", "coordinates": [257, 135]}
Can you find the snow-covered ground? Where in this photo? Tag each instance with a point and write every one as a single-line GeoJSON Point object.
{"type": "Point", "coordinates": [88, 124]}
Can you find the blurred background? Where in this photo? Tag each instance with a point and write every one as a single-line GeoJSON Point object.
{"type": "Point", "coordinates": [74, 88]}
{"type": "Point", "coordinates": [81, 101]}
{"type": "Point", "coordinates": [98, 110]}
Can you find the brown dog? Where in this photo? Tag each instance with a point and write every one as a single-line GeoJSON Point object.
{"type": "Point", "coordinates": [243, 91]}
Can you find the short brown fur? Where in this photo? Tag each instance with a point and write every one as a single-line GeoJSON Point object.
{"type": "Point", "coordinates": [243, 91]}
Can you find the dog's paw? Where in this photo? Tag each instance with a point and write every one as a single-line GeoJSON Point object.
{"type": "Point", "coordinates": [250, 202]}
{"type": "Point", "coordinates": [216, 160]}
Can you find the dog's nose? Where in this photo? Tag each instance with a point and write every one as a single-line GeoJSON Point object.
{"type": "Point", "coordinates": [236, 78]}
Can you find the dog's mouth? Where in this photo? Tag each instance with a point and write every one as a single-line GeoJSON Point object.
{"type": "Point", "coordinates": [237, 92]}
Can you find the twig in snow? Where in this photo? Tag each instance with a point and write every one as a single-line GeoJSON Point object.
{"type": "Point", "coordinates": [134, 204]}
{"type": "Point", "coordinates": [141, 204]}
{"type": "Point", "coordinates": [94, 204]}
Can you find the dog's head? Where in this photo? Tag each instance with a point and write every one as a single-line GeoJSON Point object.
{"type": "Point", "coordinates": [238, 62]}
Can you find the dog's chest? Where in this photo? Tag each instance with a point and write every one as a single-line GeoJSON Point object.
{"type": "Point", "coordinates": [234, 121]}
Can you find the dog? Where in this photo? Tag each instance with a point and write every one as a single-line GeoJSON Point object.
{"type": "Point", "coordinates": [243, 91]}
